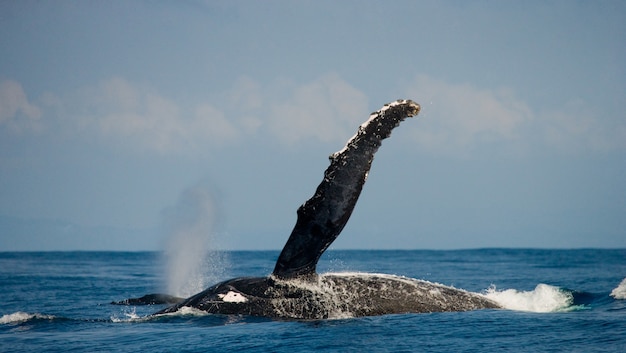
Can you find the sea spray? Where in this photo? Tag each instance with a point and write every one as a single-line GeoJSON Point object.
{"type": "Point", "coordinates": [620, 291]}
{"type": "Point", "coordinates": [543, 299]}
{"type": "Point", "coordinates": [130, 315]}
{"type": "Point", "coordinates": [20, 317]}
{"type": "Point", "coordinates": [192, 259]}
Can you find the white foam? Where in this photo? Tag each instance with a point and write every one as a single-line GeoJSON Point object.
{"type": "Point", "coordinates": [543, 299]}
{"type": "Point", "coordinates": [620, 291]}
{"type": "Point", "coordinates": [19, 317]}
{"type": "Point", "coordinates": [130, 316]}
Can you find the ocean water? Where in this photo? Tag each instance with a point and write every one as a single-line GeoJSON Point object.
{"type": "Point", "coordinates": [556, 300]}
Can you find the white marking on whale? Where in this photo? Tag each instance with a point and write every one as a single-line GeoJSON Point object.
{"type": "Point", "coordinates": [232, 297]}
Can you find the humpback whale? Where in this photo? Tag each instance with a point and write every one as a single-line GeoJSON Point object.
{"type": "Point", "coordinates": [295, 291]}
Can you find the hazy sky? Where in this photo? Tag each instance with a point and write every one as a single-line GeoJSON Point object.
{"type": "Point", "coordinates": [124, 122]}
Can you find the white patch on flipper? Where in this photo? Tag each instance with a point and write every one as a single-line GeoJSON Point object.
{"type": "Point", "coordinates": [373, 116]}
{"type": "Point", "coordinates": [233, 297]}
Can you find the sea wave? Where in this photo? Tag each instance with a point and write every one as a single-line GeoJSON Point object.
{"type": "Point", "coordinates": [620, 291]}
{"type": "Point", "coordinates": [21, 317]}
{"type": "Point", "coordinates": [543, 299]}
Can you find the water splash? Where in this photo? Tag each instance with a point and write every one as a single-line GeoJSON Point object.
{"type": "Point", "coordinates": [620, 291]}
{"type": "Point", "coordinates": [21, 317]}
{"type": "Point", "coordinates": [543, 299]}
{"type": "Point", "coordinates": [191, 256]}
{"type": "Point", "coordinates": [129, 316]}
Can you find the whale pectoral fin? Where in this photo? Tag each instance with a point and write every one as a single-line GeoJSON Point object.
{"type": "Point", "coordinates": [323, 216]}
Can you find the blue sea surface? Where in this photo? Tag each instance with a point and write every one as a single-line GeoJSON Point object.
{"type": "Point", "coordinates": [60, 302]}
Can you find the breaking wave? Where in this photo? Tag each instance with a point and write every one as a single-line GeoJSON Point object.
{"type": "Point", "coordinates": [22, 317]}
{"type": "Point", "coordinates": [543, 299]}
{"type": "Point", "coordinates": [620, 291]}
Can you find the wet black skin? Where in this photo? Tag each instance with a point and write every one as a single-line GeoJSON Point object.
{"type": "Point", "coordinates": [332, 296]}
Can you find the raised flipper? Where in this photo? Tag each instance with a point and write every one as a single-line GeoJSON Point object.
{"type": "Point", "coordinates": [323, 216]}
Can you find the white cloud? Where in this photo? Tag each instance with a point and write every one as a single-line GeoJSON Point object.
{"type": "Point", "coordinates": [456, 117]}
{"type": "Point", "coordinates": [577, 126]}
{"type": "Point", "coordinates": [248, 99]}
{"type": "Point", "coordinates": [459, 117]}
{"type": "Point", "coordinates": [327, 109]}
{"type": "Point", "coordinates": [125, 112]}
{"type": "Point", "coordinates": [153, 120]}
{"type": "Point", "coordinates": [136, 116]}
{"type": "Point", "coordinates": [213, 125]}
{"type": "Point", "coordinates": [16, 112]}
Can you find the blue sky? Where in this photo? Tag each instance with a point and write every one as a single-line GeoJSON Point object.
{"type": "Point", "coordinates": [127, 123]}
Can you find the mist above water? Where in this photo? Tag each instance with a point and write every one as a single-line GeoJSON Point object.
{"type": "Point", "coordinates": [192, 260]}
